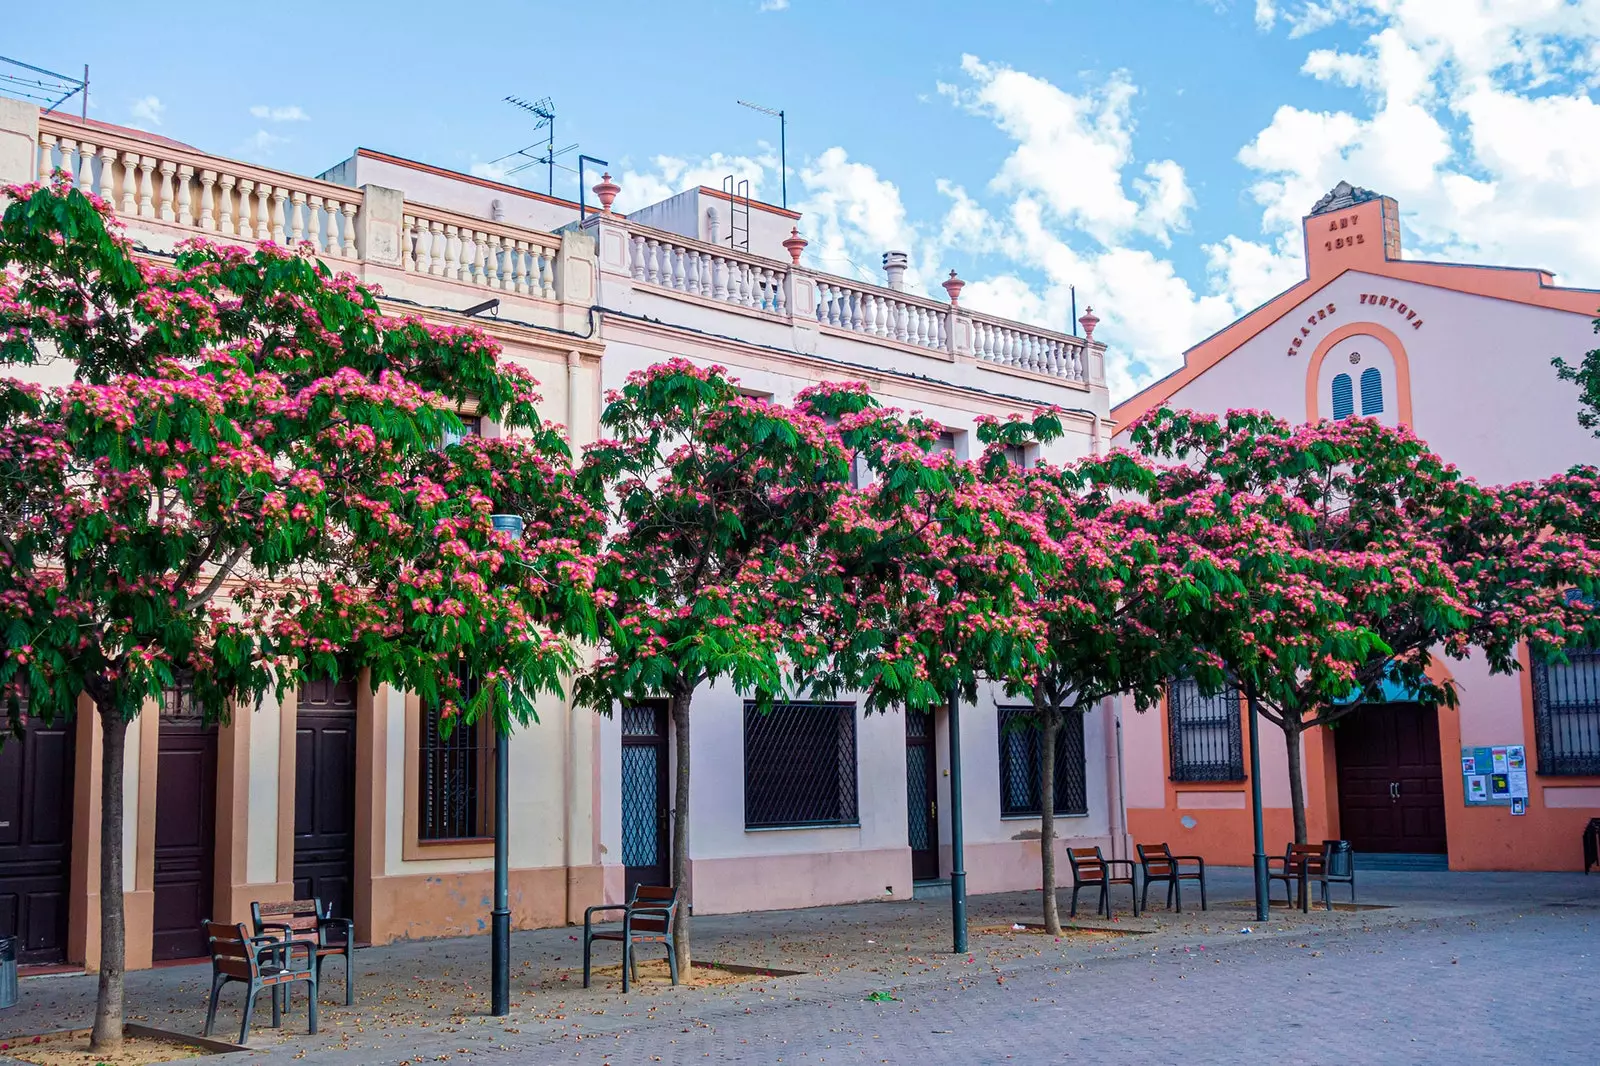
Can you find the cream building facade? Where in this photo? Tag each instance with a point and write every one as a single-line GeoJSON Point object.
{"type": "Point", "coordinates": [348, 793]}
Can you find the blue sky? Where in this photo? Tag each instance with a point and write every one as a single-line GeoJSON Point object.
{"type": "Point", "coordinates": [1155, 153]}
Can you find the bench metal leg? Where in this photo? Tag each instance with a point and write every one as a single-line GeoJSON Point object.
{"type": "Point", "coordinates": [312, 1012]}
{"type": "Point", "coordinates": [217, 981]}
{"type": "Point", "coordinates": [349, 977]}
{"type": "Point", "coordinates": [626, 958]}
{"type": "Point", "coordinates": [277, 1005]}
{"type": "Point", "coordinates": [1074, 911]}
{"type": "Point", "coordinates": [672, 960]}
{"type": "Point", "coordinates": [588, 946]}
{"type": "Point", "coordinates": [249, 1008]}
{"type": "Point", "coordinates": [1175, 895]}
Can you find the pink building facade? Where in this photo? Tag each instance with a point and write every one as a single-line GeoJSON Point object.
{"type": "Point", "coordinates": [1462, 354]}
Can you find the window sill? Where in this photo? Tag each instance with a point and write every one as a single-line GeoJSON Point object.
{"type": "Point", "coordinates": [1203, 785]}
{"type": "Point", "coordinates": [1038, 817]}
{"type": "Point", "coordinates": [801, 827]}
{"type": "Point", "coordinates": [459, 848]}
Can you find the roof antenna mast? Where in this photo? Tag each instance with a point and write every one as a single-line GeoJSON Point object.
{"type": "Point", "coordinates": [543, 111]}
{"type": "Point", "coordinates": [783, 143]}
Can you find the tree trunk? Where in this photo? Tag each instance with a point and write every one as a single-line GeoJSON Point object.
{"type": "Point", "coordinates": [1048, 728]}
{"type": "Point", "coordinates": [1297, 787]}
{"type": "Point", "coordinates": [680, 829]}
{"type": "Point", "coordinates": [107, 1034]}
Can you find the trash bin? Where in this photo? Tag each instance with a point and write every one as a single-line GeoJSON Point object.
{"type": "Point", "coordinates": [8, 971]}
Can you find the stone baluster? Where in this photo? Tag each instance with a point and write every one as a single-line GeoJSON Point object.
{"type": "Point", "coordinates": [719, 278]}
{"type": "Point", "coordinates": [69, 149]}
{"type": "Point", "coordinates": [452, 252]}
{"type": "Point", "coordinates": [182, 193]}
{"type": "Point", "coordinates": [472, 261]}
{"type": "Point", "coordinates": [489, 260]}
{"type": "Point", "coordinates": [547, 271]}
{"type": "Point", "coordinates": [108, 174]}
{"type": "Point", "coordinates": [636, 257]}
{"type": "Point", "coordinates": [241, 224]}
{"type": "Point", "coordinates": [672, 270]}
{"type": "Point", "coordinates": [752, 286]}
{"type": "Point", "coordinates": [297, 226]}
{"type": "Point", "coordinates": [348, 209]}
{"type": "Point", "coordinates": [225, 183]}
{"type": "Point", "coordinates": [208, 218]}
{"type": "Point", "coordinates": [414, 248]}
{"type": "Point", "coordinates": [735, 282]}
{"type": "Point", "coordinates": [517, 274]}
{"type": "Point", "coordinates": [47, 156]}
{"type": "Point", "coordinates": [130, 184]}
{"type": "Point", "coordinates": [780, 299]}
{"type": "Point", "coordinates": [435, 240]}
{"type": "Point", "coordinates": [480, 259]}
{"type": "Point", "coordinates": [147, 207]}
{"type": "Point", "coordinates": [165, 192]}
{"type": "Point", "coordinates": [267, 226]}
{"type": "Point", "coordinates": [86, 154]}
{"type": "Point", "coordinates": [651, 275]}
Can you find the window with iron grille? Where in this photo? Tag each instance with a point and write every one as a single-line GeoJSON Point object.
{"type": "Point", "coordinates": [1566, 713]}
{"type": "Point", "coordinates": [177, 702]}
{"type": "Point", "coordinates": [799, 765]}
{"type": "Point", "coordinates": [456, 789]}
{"type": "Point", "coordinates": [1019, 765]}
{"type": "Point", "coordinates": [1203, 733]}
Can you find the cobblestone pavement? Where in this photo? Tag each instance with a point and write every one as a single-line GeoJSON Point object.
{"type": "Point", "coordinates": [1457, 968]}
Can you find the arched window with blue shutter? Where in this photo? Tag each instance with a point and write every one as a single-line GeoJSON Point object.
{"type": "Point", "coordinates": [1371, 391]}
{"type": "Point", "coordinates": [1344, 401]}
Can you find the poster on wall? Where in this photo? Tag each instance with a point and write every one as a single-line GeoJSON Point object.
{"type": "Point", "coordinates": [1495, 776]}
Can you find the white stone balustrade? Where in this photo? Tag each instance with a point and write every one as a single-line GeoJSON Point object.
{"type": "Point", "coordinates": [884, 313]}
{"type": "Point", "coordinates": [156, 181]}
{"type": "Point", "coordinates": [656, 257]}
{"type": "Point", "coordinates": [459, 247]}
{"type": "Point", "coordinates": [1025, 348]}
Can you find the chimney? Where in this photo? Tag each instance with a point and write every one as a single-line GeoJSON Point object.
{"type": "Point", "coordinates": [894, 266]}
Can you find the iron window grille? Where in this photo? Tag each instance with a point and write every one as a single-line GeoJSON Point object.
{"type": "Point", "coordinates": [800, 765]}
{"type": "Point", "coordinates": [1566, 714]}
{"type": "Point", "coordinates": [1204, 733]}
{"type": "Point", "coordinates": [457, 786]}
{"type": "Point", "coordinates": [177, 702]}
{"type": "Point", "coordinates": [1020, 770]}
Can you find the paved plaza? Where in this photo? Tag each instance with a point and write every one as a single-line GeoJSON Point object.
{"type": "Point", "coordinates": [1453, 968]}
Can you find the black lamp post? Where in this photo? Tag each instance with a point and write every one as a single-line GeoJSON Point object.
{"type": "Point", "coordinates": [1262, 903]}
{"type": "Point", "coordinates": [958, 871]}
{"type": "Point", "coordinates": [500, 916]}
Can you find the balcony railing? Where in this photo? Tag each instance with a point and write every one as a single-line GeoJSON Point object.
{"type": "Point", "coordinates": [157, 181]}
{"type": "Point", "coordinates": [150, 180]}
{"type": "Point", "coordinates": [659, 259]}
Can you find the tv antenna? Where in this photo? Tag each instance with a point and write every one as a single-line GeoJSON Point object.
{"type": "Point", "coordinates": [28, 82]}
{"type": "Point", "coordinates": [783, 146]}
{"type": "Point", "coordinates": [544, 112]}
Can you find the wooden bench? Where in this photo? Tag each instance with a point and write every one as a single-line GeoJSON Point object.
{"type": "Point", "coordinates": [308, 919]}
{"type": "Point", "coordinates": [1157, 863]}
{"type": "Point", "coordinates": [1090, 869]}
{"type": "Point", "coordinates": [646, 919]}
{"type": "Point", "coordinates": [1301, 864]}
{"type": "Point", "coordinates": [258, 963]}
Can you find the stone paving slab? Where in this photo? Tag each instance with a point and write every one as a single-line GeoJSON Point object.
{"type": "Point", "coordinates": [426, 1000]}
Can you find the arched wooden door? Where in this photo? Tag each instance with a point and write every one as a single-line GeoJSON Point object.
{"type": "Point", "coordinates": [186, 828]}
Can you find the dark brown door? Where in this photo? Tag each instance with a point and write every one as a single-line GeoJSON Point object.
{"type": "Point", "coordinates": [36, 840]}
{"type": "Point", "coordinates": [1391, 785]}
{"type": "Point", "coordinates": [324, 795]}
{"type": "Point", "coordinates": [646, 841]}
{"type": "Point", "coordinates": [186, 835]}
{"type": "Point", "coordinates": [922, 796]}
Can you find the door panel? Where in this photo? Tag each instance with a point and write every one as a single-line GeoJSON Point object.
{"type": "Point", "coordinates": [186, 834]}
{"type": "Point", "coordinates": [1391, 782]}
{"type": "Point", "coordinates": [324, 809]}
{"type": "Point", "coordinates": [922, 809]}
{"type": "Point", "coordinates": [36, 840]}
{"type": "Point", "coordinates": [646, 839]}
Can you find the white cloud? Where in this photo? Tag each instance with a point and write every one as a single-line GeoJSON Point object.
{"type": "Point", "coordinates": [291, 113]}
{"type": "Point", "coordinates": [774, 5]}
{"type": "Point", "coordinates": [670, 175]}
{"type": "Point", "coordinates": [147, 111]}
{"type": "Point", "coordinates": [261, 143]}
{"type": "Point", "coordinates": [1475, 114]}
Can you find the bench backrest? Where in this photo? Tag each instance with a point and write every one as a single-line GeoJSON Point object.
{"type": "Point", "coordinates": [231, 950]}
{"type": "Point", "coordinates": [1087, 863]}
{"type": "Point", "coordinates": [662, 897]}
{"type": "Point", "coordinates": [1309, 854]}
{"type": "Point", "coordinates": [1156, 859]}
{"type": "Point", "coordinates": [300, 915]}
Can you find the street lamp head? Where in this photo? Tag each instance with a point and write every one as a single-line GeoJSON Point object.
{"type": "Point", "coordinates": [509, 524]}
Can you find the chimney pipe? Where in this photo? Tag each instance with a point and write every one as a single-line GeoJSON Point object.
{"type": "Point", "coordinates": [894, 265]}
